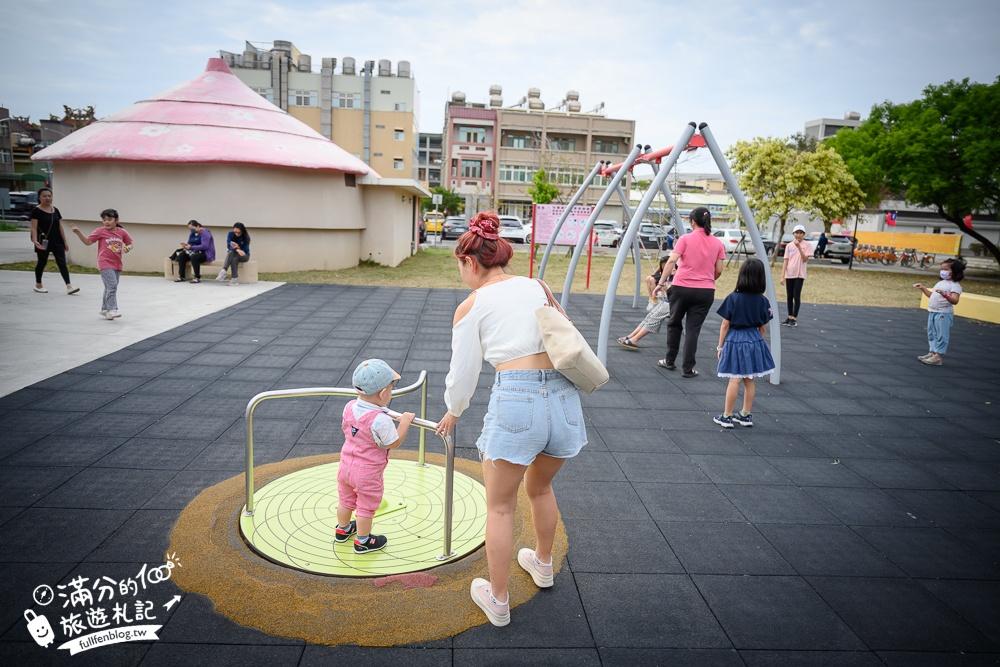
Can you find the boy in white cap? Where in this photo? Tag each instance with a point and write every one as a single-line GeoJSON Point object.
{"type": "Point", "coordinates": [369, 434]}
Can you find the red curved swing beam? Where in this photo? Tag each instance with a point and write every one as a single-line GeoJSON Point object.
{"type": "Point", "coordinates": [654, 157]}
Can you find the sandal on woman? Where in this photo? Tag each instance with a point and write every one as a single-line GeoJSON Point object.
{"type": "Point", "coordinates": [627, 343]}
{"type": "Point", "coordinates": [196, 280]}
{"type": "Point", "coordinates": [692, 374]}
{"type": "Point", "coordinates": [180, 280]}
{"type": "Point", "coordinates": [662, 363]}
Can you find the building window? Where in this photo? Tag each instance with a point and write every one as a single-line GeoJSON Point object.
{"type": "Point", "coordinates": [516, 173]}
{"type": "Point", "coordinates": [397, 163]}
{"type": "Point", "coordinates": [606, 146]}
{"type": "Point", "coordinates": [386, 92]}
{"type": "Point", "coordinates": [400, 106]}
{"type": "Point", "coordinates": [302, 98]}
{"type": "Point", "coordinates": [562, 144]}
{"type": "Point", "coordinates": [472, 135]}
{"type": "Point", "coordinates": [399, 135]}
{"type": "Point", "coordinates": [376, 154]}
{"type": "Point", "coordinates": [380, 127]}
{"type": "Point", "coordinates": [511, 140]}
{"type": "Point", "coordinates": [565, 176]}
{"type": "Point", "coordinates": [472, 169]}
{"type": "Point", "coordinates": [266, 93]}
{"type": "Point", "coordinates": [351, 180]}
{"type": "Point", "coordinates": [347, 100]}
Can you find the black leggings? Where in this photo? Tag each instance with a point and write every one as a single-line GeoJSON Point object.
{"type": "Point", "coordinates": [59, 253]}
{"type": "Point", "coordinates": [793, 288]}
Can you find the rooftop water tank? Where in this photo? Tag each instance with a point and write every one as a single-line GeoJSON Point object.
{"type": "Point", "coordinates": [403, 69]}
{"type": "Point", "coordinates": [495, 89]}
{"type": "Point", "coordinates": [305, 63]}
{"type": "Point", "coordinates": [534, 93]}
{"type": "Point", "coordinates": [573, 96]}
{"type": "Point", "coordinates": [458, 97]}
{"type": "Point", "coordinates": [349, 66]}
{"type": "Point", "coordinates": [384, 68]}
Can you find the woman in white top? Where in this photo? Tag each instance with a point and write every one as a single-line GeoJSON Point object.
{"type": "Point", "coordinates": [534, 422]}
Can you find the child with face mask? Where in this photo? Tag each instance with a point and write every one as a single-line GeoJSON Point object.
{"type": "Point", "coordinates": [941, 309]}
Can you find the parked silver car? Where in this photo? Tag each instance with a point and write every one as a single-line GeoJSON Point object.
{"type": "Point", "coordinates": [514, 229]}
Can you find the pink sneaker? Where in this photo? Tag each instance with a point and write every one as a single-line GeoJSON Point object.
{"type": "Point", "coordinates": [482, 594]}
{"type": "Point", "coordinates": [540, 573]}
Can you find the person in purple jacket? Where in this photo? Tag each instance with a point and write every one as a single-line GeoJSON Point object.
{"type": "Point", "coordinates": [199, 249]}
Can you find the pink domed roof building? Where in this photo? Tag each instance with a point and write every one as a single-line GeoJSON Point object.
{"type": "Point", "coordinates": [213, 150]}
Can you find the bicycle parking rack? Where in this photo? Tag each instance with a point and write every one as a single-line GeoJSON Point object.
{"type": "Point", "coordinates": [292, 520]}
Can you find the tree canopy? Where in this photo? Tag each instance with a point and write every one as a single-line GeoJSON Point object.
{"type": "Point", "coordinates": [941, 151]}
{"type": "Point", "coordinates": [451, 203]}
{"type": "Point", "coordinates": [777, 180]}
{"type": "Point", "coordinates": [540, 190]}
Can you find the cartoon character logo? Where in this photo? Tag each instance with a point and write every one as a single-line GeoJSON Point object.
{"type": "Point", "coordinates": [39, 628]}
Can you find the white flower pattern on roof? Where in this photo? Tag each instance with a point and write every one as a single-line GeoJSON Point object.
{"type": "Point", "coordinates": [185, 148]}
{"type": "Point", "coordinates": [113, 153]}
{"type": "Point", "coordinates": [280, 147]}
{"type": "Point", "coordinates": [241, 115]}
{"type": "Point", "coordinates": [154, 130]}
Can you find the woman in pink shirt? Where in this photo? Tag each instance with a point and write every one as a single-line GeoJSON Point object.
{"type": "Point", "coordinates": [698, 256]}
{"type": "Point", "coordinates": [112, 241]}
{"type": "Point", "coordinates": [793, 272]}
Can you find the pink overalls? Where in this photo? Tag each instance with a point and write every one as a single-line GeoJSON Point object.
{"type": "Point", "coordinates": [362, 462]}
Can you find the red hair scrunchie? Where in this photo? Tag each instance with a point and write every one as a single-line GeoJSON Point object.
{"type": "Point", "coordinates": [485, 226]}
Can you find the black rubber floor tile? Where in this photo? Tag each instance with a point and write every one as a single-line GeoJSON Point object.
{"type": "Point", "coordinates": [23, 486]}
{"type": "Point", "coordinates": [866, 507]}
{"type": "Point", "coordinates": [144, 538]}
{"type": "Point", "coordinates": [978, 602]}
{"type": "Point", "coordinates": [777, 613]}
{"type": "Point", "coordinates": [330, 656]}
{"type": "Point", "coordinates": [723, 548]}
{"type": "Point", "coordinates": [648, 611]}
{"type": "Point", "coordinates": [161, 386]}
{"type": "Point", "coordinates": [711, 440]}
{"type": "Point", "coordinates": [679, 468]}
{"type": "Point", "coordinates": [967, 475]}
{"type": "Point", "coordinates": [976, 448]}
{"type": "Point", "coordinates": [187, 484]}
{"type": "Point", "coordinates": [214, 405]}
{"type": "Point", "coordinates": [274, 430]}
{"type": "Point", "coordinates": [154, 454]}
{"type": "Point", "coordinates": [590, 465]}
{"type": "Point", "coordinates": [584, 657]}
{"type": "Point", "coordinates": [112, 655]}
{"type": "Point", "coordinates": [835, 405]}
{"type": "Point", "coordinates": [948, 508]}
{"type": "Point", "coordinates": [107, 488]}
{"type": "Point", "coordinates": [611, 418]}
{"type": "Point", "coordinates": [58, 450]}
{"type": "Point", "coordinates": [828, 550]}
{"type": "Point", "coordinates": [893, 474]}
{"type": "Point", "coordinates": [136, 403]}
{"type": "Point", "coordinates": [899, 615]}
{"type": "Point", "coordinates": [634, 546]}
{"type": "Point", "coordinates": [777, 444]}
{"type": "Point", "coordinates": [165, 654]}
{"type": "Point", "coordinates": [41, 422]}
{"type": "Point", "coordinates": [110, 384]}
{"type": "Point", "coordinates": [552, 618]}
{"type": "Point", "coordinates": [739, 470]}
{"type": "Point", "coordinates": [600, 501]}
{"type": "Point", "coordinates": [811, 658]}
{"type": "Point", "coordinates": [16, 587]}
{"type": "Point", "coordinates": [912, 449]}
{"type": "Point", "coordinates": [72, 400]}
{"type": "Point", "coordinates": [777, 504]}
{"type": "Point", "coordinates": [651, 440]}
{"type": "Point", "coordinates": [854, 446]}
{"type": "Point", "coordinates": [818, 472]}
{"type": "Point", "coordinates": [47, 535]}
{"type": "Point", "coordinates": [936, 659]}
{"type": "Point", "coordinates": [138, 369]}
{"type": "Point", "coordinates": [687, 502]}
{"type": "Point", "coordinates": [102, 424]}
{"type": "Point", "coordinates": [175, 425]}
{"type": "Point", "coordinates": [195, 621]}
{"type": "Point", "coordinates": [653, 657]}
{"type": "Point", "coordinates": [929, 553]}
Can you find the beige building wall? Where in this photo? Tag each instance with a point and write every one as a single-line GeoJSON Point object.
{"type": "Point", "coordinates": [389, 228]}
{"type": "Point", "coordinates": [308, 115]}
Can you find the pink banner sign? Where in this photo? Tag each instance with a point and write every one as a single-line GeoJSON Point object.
{"type": "Point", "coordinates": [546, 217]}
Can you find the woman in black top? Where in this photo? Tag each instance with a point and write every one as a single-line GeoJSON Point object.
{"type": "Point", "coordinates": [47, 237]}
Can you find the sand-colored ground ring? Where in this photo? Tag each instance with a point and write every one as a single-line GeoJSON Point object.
{"type": "Point", "coordinates": [295, 519]}
{"type": "Point", "coordinates": [332, 610]}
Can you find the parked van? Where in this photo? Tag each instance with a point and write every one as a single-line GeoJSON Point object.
{"type": "Point", "coordinates": [433, 220]}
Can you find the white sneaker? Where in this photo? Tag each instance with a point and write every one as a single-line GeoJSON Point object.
{"type": "Point", "coordinates": [112, 314]}
{"type": "Point", "coordinates": [482, 594]}
{"type": "Point", "coordinates": [234, 281]}
{"type": "Point", "coordinates": [539, 571]}
{"type": "Point", "coordinates": [103, 313]}
{"type": "Point", "coordinates": [221, 276]}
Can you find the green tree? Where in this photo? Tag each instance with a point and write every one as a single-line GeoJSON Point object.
{"type": "Point", "coordinates": [941, 151]}
{"type": "Point", "coordinates": [778, 180]}
{"type": "Point", "coordinates": [451, 203]}
{"type": "Point", "coordinates": [540, 190]}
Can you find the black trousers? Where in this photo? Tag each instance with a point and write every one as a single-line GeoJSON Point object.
{"type": "Point", "coordinates": [59, 253]}
{"type": "Point", "coordinates": [689, 307]}
{"type": "Point", "coordinates": [196, 257]}
{"type": "Point", "coordinates": [793, 289]}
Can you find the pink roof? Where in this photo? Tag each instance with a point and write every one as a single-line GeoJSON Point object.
{"type": "Point", "coordinates": [213, 118]}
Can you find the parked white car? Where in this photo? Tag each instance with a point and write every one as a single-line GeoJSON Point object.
{"type": "Point", "coordinates": [731, 240]}
{"type": "Point", "coordinates": [608, 233]}
{"type": "Point", "coordinates": [514, 229]}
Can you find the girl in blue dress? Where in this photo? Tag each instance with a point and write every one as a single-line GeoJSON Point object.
{"type": "Point", "coordinates": [743, 353]}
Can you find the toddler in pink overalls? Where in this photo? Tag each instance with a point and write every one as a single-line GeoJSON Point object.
{"type": "Point", "coordinates": [369, 434]}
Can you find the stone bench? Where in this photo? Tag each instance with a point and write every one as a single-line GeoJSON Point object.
{"type": "Point", "coordinates": [974, 306]}
{"type": "Point", "coordinates": [248, 270]}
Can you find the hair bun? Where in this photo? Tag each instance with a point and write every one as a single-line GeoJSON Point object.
{"type": "Point", "coordinates": [485, 225]}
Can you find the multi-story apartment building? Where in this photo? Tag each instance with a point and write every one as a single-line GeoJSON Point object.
{"type": "Point", "coordinates": [492, 152]}
{"type": "Point", "coordinates": [371, 111]}
{"type": "Point", "coordinates": [429, 159]}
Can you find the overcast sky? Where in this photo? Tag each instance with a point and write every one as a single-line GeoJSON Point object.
{"type": "Point", "coordinates": [748, 68]}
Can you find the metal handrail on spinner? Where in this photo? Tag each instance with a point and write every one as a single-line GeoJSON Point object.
{"type": "Point", "coordinates": [424, 424]}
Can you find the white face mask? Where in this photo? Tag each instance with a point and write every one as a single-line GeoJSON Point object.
{"type": "Point", "coordinates": [945, 274]}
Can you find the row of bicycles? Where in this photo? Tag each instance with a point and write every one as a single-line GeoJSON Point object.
{"type": "Point", "coordinates": [876, 254]}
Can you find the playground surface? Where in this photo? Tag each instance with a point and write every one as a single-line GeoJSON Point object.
{"type": "Point", "coordinates": [857, 522]}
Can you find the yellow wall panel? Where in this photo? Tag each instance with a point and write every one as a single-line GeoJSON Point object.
{"type": "Point", "coordinates": [946, 244]}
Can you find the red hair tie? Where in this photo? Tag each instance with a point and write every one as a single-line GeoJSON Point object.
{"type": "Point", "coordinates": [484, 227]}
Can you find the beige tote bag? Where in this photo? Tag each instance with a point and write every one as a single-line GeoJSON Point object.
{"type": "Point", "coordinates": [568, 349]}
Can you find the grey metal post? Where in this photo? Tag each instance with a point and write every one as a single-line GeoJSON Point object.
{"type": "Point", "coordinates": [630, 236]}
{"type": "Point", "coordinates": [636, 251]}
{"type": "Point", "coordinates": [615, 181]}
{"type": "Point", "coordinates": [562, 218]}
{"type": "Point", "coordinates": [675, 217]}
{"type": "Point", "coordinates": [758, 244]}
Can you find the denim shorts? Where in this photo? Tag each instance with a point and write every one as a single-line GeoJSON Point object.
{"type": "Point", "coordinates": [532, 413]}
